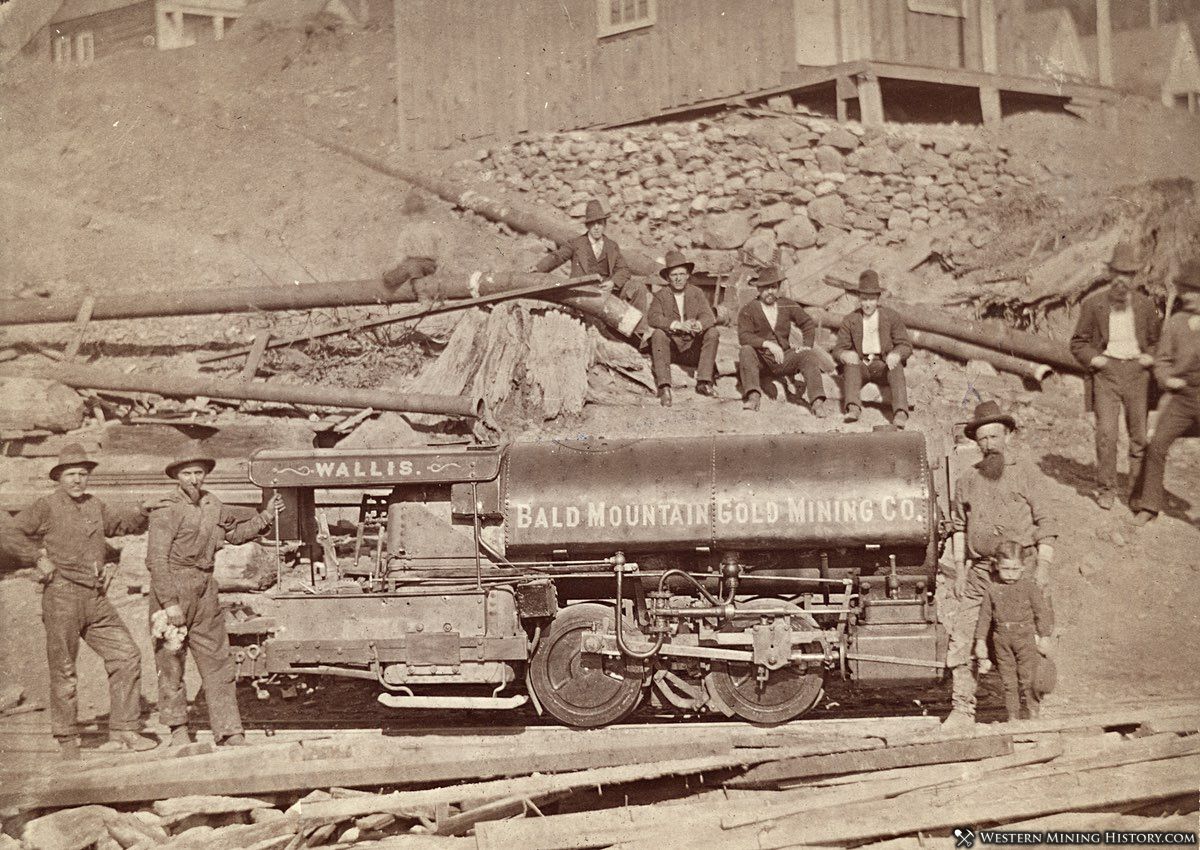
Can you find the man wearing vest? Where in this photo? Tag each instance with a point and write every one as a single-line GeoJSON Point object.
{"type": "Point", "coordinates": [1114, 341]}
{"type": "Point", "coordinates": [65, 532]}
{"type": "Point", "coordinates": [684, 329]}
{"type": "Point", "coordinates": [764, 333]}
{"type": "Point", "coordinates": [873, 345]}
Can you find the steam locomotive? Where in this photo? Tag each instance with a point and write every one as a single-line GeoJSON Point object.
{"type": "Point", "coordinates": [726, 574]}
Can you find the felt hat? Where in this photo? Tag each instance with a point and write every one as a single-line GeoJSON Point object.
{"type": "Point", "coordinates": [71, 455]}
{"type": "Point", "coordinates": [1188, 277]}
{"type": "Point", "coordinates": [985, 414]}
{"type": "Point", "coordinates": [1125, 258]}
{"type": "Point", "coordinates": [868, 283]}
{"type": "Point", "coordinates": [1045, 677]}
{"type": "Point", "coordinates": [594, 213]}
{"type": "Point", "coordinates": [675, 260]}
{"type": "Point", "coordinates": [770, 276]}
{"type": "Point", "coordinates": [190, 454]}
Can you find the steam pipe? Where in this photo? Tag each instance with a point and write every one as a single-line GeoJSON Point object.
{"type": "Point", "coordinates": [619, 561]}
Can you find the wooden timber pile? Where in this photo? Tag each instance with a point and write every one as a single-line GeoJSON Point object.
{"type": "Point", "coordinates": [821, 783]}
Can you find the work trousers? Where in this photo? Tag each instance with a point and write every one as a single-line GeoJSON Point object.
{"type": "Point", "coordinates": [209, 645]}
{"type": "Point", "coordinates": [959, 613]}
{"type": "Point", "coordinates": [699, 350]}
{"type": "Point", "coordinates": [1180, 414]}
{"type": "Point", "coordinates": [1016, 661]}
{"type": "Point", "coordinates": [752, 362]}
{"type": "Point", "coordinates": [1120, 383]}
{"type": "Point", "coordinates": [876, 372]}
{"type": "Point", "coordinates": [71, 611]}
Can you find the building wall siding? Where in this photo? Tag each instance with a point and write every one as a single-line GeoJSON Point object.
{"type": "Point", "coordinates": [117, 29]}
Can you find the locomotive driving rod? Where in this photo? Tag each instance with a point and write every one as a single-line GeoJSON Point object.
{"type": "Point", "coordinates": [186, 386]}
{"type": "Point", "coordinates": [345, 293]}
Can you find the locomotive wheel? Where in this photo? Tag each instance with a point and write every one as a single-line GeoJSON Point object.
{"type": "Point", "coordinates": [584, 689]}
{"type": "Point", "coordinates": [786, 694]}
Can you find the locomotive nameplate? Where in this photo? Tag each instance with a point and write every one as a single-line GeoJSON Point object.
{"type": "Point", "coordinates": [340, 468]}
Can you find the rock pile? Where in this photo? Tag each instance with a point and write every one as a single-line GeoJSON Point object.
{"type": "Point", "coordinates": [742, 182]}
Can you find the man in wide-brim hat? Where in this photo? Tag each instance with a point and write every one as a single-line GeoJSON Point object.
{"type": "Point", "coordinates": [765, 333]}
{"type": "Point", "coordinates": [1114, 340]}
{"type": "Point", "coordinates": [184, 535]}
{"type": "Point", "coordinates": [596, 253]}
{"type": "Point", "coordinates": [683, 329]}
{"type": "Point", "coordinates": [64, 533]}
{"type": "Point", "coordinates": [873, 345]}
{"type": "Point", "coordinates": [998, 499]}
{"type": "Point", "coordinates": [1177, 369]}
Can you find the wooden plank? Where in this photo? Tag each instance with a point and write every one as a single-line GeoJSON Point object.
{"type": "Point", "coordinates": [1186, 724]}
{"type": "Point", "coordinates": [342, 763]}
{"type": "Point", "coordinates": [789, 770]}
{"type": "Point", "coordinates": [82, 318]}
{"type": "Point", "coordinates": [255, 355]}
{"type": "Point", "coordinates": [1104, 54]}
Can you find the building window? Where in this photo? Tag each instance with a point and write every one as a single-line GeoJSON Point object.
{"type": "Point", "coordinates": [624, 15]}
{"type": "Point", "coordinates": [61, 49]}
{"type": "Point", "coordinates": [85, 47]}
{"type": "Point", "coordinates": [951, 8]}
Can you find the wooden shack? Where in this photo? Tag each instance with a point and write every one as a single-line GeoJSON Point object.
{"type": "Point", "coordinates": [82, 31]}
{"type": "Point", "coordinates": [470, 70]}
{"type": "Point", "coordinates": [1045, 44]}
{"type": "Point", "coordinates": [1160, 63]}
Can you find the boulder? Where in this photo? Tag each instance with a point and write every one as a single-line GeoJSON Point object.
{"type": "Point", "coordinates": [67, 829]}
{"type": "Point", "coordinates": [797, 231]}
{"type": "Point", "coordinates": [841, 139]}
{"type": "Point", "coordinates": [899, 220]}
{"type": "Point", "coordinates": [829, 159]}
{"type": "Point", "coordinates": [828, 211]}
{"type": "Point", "coordinates": [775, 213]}
{"type": "Point", "coordinates": [250, 566]}
{"type": "Point", "coordinates": [760, 247]}
{"type": "Point", "coordinates": [725, 230]}
{"type": "Point", "coordinates": [775, 182]}
{"type": "Point", "coordinates": [878, 159]}
{"type": "Point", "coordinates": [32, 404]}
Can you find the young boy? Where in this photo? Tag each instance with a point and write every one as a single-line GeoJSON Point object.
{"type": "Point", "coordinates": [1020, 619]}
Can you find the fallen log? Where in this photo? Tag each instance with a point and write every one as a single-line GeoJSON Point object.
{"type": "Point", "coordinates": [178, 385]}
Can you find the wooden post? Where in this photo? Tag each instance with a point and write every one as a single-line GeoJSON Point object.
{"type": "Point", "coordinates": [81, 323]}
{"type": "Point", "coordinates": [162, 29]}
{"type": "Point", "coordinates": [989, 96]}
{"type": "Point", "coordinates": [1104, 57]}
{"type": "Point", "coordinates": [845, 91]}
{"type": "Point", "coordinates": [218, 27]}
{"type": "Point", "coordinates": [1153, 14]}
{"type": "Point", "coordinates": [870, 100]}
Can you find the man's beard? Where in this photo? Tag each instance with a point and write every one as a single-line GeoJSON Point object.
{"type": "Point", "coordinates": [191, 491]}
{"type": "Point", "coordinates": [992, 466]}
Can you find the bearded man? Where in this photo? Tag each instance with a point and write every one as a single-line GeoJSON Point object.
{"type": "Point", "coordinates": [998, 499]}
{"type": "Point", "coordinates": [184, 535]}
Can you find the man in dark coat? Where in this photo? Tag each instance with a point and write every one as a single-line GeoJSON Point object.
{"type": "Point", "coordinates": [1114, 341]}
{"type": "Point", "coordinates": [683, 329]}
{"type": "Point", "coordinates": [184, 535]}
{"type": "Point", "coordinates": [65, 533]}
{"type": "Point", "coordinates": [873, 345]}
{"type": "Point", "coordinates": [595, 253]}
{"type": "Point", "coordinates": [1177, 370]}
{"type": "Point", "coordinates": [764, 333]}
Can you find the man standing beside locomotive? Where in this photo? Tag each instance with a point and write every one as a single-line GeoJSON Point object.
{"type": "Point", "coordinates": [997, 499]}
{"type": "Point", "coordinates": [184, 536]}
{"type": "Point", "coordinates": [1114, 339]}
{"type": "Point", "coordinates": [684, 329]}
{"type": "Point", "coordinates": [1177, 369]}
{"type": "Point", "coordinates": [873, 345]}
{"type": "Point", "coordinates": [69, 528]}
{"type": "Point", "coordinates": [764, 333]}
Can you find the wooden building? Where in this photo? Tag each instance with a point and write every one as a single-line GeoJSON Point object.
{"type": "Point", "coordinates": [182, 23]}
{"type": "Point", "coordinates": [1046, 44]}
{"type": "Point", "coordinates": [1159, 63]}
{"type": "Point", "coordinates": [82, 31]}
{"type": "Point", "coordinates": [469, 70]}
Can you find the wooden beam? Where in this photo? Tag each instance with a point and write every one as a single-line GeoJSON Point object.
{"type": "Point", "coordinates": [1104, 55]}
{"type": "Point", "coordinates": [987, 36]}
{"type": "Point", "coordinates": [989, 104]}
{"type": "Point", "coordinates": [255, 355]}
{"type": "Point", "coordinates": [82, 318]}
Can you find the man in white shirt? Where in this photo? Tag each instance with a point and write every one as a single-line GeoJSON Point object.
{"type": "Point", "coordinates": [1114, 341]}
{"type": "Point", "coordinates": [684, 329]}
{"type": "Point", "coordinates": [873, 345]}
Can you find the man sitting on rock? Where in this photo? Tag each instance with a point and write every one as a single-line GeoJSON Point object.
{"type": "Point", "coordinates": [595, 253]}
{"type": "Point", "coordinates": [683, 329]}
{"type": "Point", "coordinates": [873, 345]}
{"type": "Point", "coordinates": [764, 333]}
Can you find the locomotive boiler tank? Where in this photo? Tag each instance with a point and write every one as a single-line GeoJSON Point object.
{"type": "Point", "coordinates": [784, 492]}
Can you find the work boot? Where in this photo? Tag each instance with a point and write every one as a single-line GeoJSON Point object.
{"type": "Point", "coordinates": [820, 408]}
{"type": "Point", "coordinates": [900, 419]}
{"type": "Point", "coordinates": [181, 736]}
{"type": "Point", "coordinates": [68, 749]}
{"type": "Point", "coordinates": [127, 740]}
{"type": "Point", "coordinates": [1106, 499]}
{"type": "Point", "coordinates": [753, 400]}
{"type": "Point", "coordinates": [664, 396]}
{"type": "Point", "coordinates": [1143, 517]}
{"type": "Point", "coordinates": [705, 388]}
{"type": "Point", "coordinates": [958, 721]}
{"type": "Point", "coordinates": [853, 411]}
{"type": "Point", "coordinates": [237, 739]}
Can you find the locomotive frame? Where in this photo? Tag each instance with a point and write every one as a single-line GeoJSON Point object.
{"type": "Point", "coordinates": [721, 574]}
